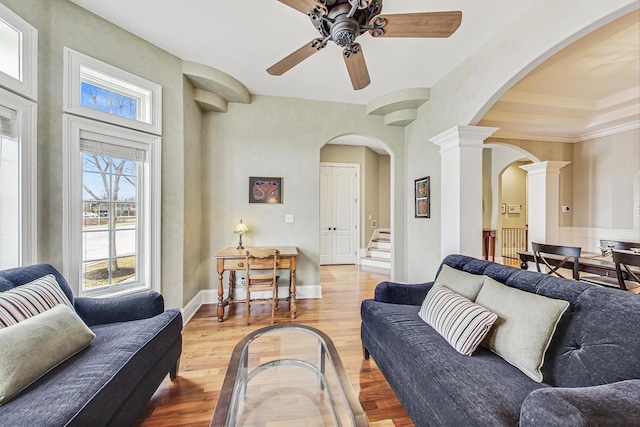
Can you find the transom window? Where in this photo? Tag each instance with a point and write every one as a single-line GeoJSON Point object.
{"type": "Point", "coordinates": [100, 91]}
{"type": "Point", "coordinates": [18, 54]}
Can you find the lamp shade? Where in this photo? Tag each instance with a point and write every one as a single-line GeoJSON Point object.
{"type": "Point", "coordinates": [241, 228]}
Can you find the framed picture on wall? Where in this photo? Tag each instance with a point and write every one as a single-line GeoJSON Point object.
{"type": "Point", "coordinates": [422, 199]}
{"type": "Point", "coordinates": [265, 190]}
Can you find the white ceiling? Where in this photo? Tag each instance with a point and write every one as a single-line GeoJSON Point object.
{"type": "Point", "coordinates": [244, 38]}
{"type": "Point", "coordinates": [580, 90]}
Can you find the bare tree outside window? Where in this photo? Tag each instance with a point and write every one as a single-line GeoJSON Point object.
{"type": "Point", "coordinates": [109, 189]}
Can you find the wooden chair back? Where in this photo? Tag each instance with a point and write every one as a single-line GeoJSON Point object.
{"type": "Point", "coordinates": [571, 255]}
{"type": "Point", "coordinates": [625, 260]}
{"type": "Point", "coordinates": [261, 267]}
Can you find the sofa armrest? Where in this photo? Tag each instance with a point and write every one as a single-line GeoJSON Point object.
{"type": "Point", "coordinates": [608, 404]}
{"type": "Point", "coordinates": [402, 293]}
{"type": "Point", "coordinates": [99, 311]}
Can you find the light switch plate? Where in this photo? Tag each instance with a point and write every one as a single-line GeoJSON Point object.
{"type": "Point", "coordinates": [288, 218]}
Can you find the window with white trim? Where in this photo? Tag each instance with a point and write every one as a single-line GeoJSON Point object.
{"type": "Point", "coordinates": [100, 91]}
{"type": "Point", "coordinates": [18, 54]}
{"type": "Point", "coordinates": [112, 178]}
{"type": "Point", "coordinates": [18, 240]}
{"type": "Point", "coordinates": [112, 215]}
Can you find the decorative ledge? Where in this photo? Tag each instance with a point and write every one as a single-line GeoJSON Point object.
{"type": "Point", "coordinates": [399, 108]}
{"type": "Point", "coordinates": [213, 88]}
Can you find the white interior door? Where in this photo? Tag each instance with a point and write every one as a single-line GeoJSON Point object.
{"type": "Point", "coordinates": [338, 214]}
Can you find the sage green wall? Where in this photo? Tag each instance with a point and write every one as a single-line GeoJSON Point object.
{"type": "Point", "coordinates": [195, 264]}
{"type": "Point", "coordinates": [371, 193]}
{"type": "Point", "coordinates": [605, 184]}
{"type": "Point", "coordinates": [281, 137]}
{"type": "Point", "coordinates": [61, 23]}
{"type": "Point", "coordinates": [464, 95]}
{"type": "Point", "coordinates": [384, 196]}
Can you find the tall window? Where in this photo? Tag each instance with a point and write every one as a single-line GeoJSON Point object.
{"type": "Point", "coordinates": [112, 208]}
{"type": "Point", "coordinates": [112, 216]}
{"type": "Point", "coordinates": [18, 244]}
{"type": "Point", "coordinates": [18, 74]}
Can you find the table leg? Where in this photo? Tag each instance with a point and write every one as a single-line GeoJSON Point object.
{"type": "Point", "coordinates": [232, 286]}
{"type": "Point", "coordinates": [220, 291]}
{"type": "Point", "coordinates": [292, 290]}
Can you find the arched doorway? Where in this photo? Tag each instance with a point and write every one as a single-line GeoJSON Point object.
{"type": "Point", "coordinates": [375, 190]}
{"type": "Point", "coordinates": [505, 207]}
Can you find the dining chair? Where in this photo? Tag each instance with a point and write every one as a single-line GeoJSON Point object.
{"type": "Point", "coordinates": [624, 260]}
{"type": "Point", "coordinates": [261, 266]}
{"type": "Point", "coordinates": [605, 243]}
{"type": "Point", "coordinates": [571, 255]}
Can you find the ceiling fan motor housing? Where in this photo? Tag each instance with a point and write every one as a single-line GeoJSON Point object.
{"type": "Point", "coordinates": [344, 29]}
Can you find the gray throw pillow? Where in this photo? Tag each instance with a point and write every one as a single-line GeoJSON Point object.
{"type": "Point", "coordinates": [466, 284]}
{"type": "Point", "coordinates": [525, 326]}
{"type": "Point", "coordinates": [31, 348]}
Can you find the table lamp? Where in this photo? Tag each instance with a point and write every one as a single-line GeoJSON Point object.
{"type": "Point", "coordinates": [241, 229]}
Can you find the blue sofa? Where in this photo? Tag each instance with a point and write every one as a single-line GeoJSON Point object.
{"type": "Point", "coordinates": [591, 372]}
{"type": "Point", "coordinates": [137, 343]}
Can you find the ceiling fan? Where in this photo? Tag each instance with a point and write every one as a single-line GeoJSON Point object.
{"type": "Point", "coordinates": [342, 21]}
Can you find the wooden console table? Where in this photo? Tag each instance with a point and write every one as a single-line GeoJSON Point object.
{"type": "Point", "coordinates": [232, 260]}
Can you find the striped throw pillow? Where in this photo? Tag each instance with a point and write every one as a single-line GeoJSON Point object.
{"type": "Point", "coordinates": [28, 300]}
{"type": "Point", "coordinates": [461, 322]}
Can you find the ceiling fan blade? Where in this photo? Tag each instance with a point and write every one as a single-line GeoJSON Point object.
{"type": "Point", "coordinates": [356, 66]}
{"type": "Point", "coordinates": [303, 6]}
{"type": "Point", "coordinates": [428, 24]}
{"type": "Point", "coordinates": [295, 58]}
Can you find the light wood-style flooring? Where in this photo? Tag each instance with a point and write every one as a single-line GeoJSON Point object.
{"type": "Point", "coordinates": [191, 398]}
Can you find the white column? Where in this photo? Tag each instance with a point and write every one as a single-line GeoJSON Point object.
{"type": "Point", "coordinates": [543, 201]}
{"type": "Point", "coordinates": [461, 189]}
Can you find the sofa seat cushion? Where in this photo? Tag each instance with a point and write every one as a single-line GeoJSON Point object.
{"type": "Point", "coordinates": [436, 384]}
{"type": "Point", "coordinates": [90, 387]}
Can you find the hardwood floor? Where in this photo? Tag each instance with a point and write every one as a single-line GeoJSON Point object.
{"type": "Point", "coordinates": [207, 347]}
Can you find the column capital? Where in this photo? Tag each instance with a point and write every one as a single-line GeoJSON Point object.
{"type": "Point", "coordinates": [544, 168]}
{"type": "Point", "coordinates": [462, 136]}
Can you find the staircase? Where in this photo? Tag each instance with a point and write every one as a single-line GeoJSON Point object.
{"type": "Point", "coordinates": [378, 250]}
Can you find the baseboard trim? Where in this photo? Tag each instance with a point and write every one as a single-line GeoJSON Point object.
{"type": "Point", "coordinates": [210, 296]}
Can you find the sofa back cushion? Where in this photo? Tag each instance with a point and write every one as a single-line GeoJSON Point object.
{"type": "Point", "coordinates": [593, 343]}
{"type": "Point", "coordinates": [19, 276]}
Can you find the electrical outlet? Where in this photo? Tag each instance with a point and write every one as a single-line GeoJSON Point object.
{"type": "Point", "coordinates": [288, 219]}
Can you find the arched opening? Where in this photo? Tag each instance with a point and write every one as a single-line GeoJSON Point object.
{"type": "Point", "coordinates": [373, 162]}
{"type": "Point", "coordinates": [505, 210]}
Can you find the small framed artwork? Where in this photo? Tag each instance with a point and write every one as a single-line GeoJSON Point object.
{"type": "Point", "coordinates": [265, 190]}
{"type": "Point", "coordinates": [423, 204]}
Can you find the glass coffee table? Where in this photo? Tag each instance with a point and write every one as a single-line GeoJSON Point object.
{"type": "Point", "coordinates": [287, 375]}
